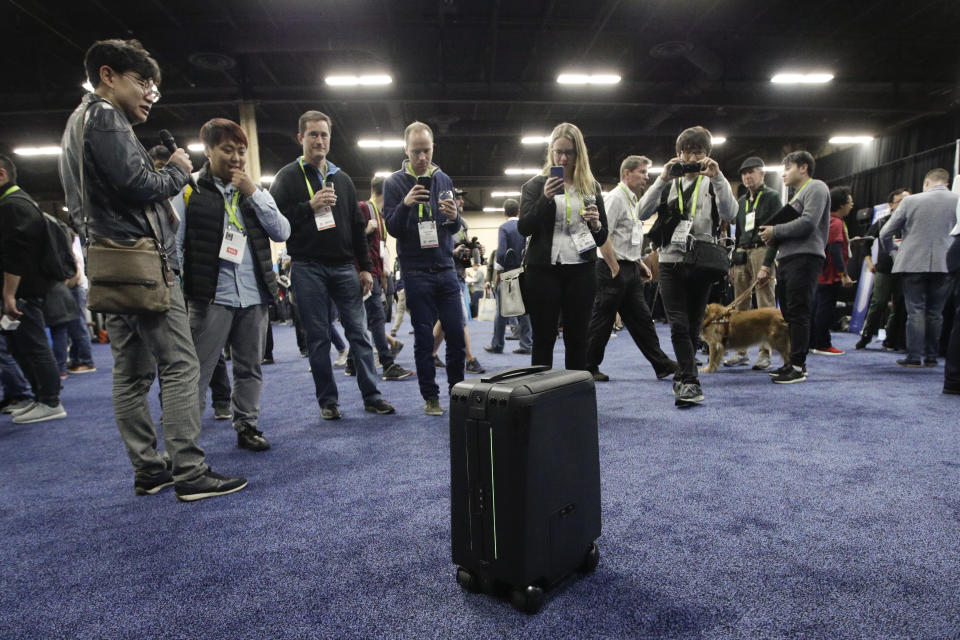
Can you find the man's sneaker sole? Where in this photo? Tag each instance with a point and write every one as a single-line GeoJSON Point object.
{"type": "Point", "coordinates": [369, 408]}
{"type": "Point", "coordinates": [791, 379]}
{"type": "Point", "coordinates": [193, 497]}
{"type": "Point", "coordinates": [143, 491]}
{"type": "Point", "coordinates": [31, 416]}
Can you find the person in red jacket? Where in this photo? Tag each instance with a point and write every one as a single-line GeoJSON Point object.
{"type": "Point", "coordinates": [834, 275]}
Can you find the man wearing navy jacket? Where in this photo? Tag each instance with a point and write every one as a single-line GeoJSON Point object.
{"type": "Point", "coordinates": [327, 235]}
{"type": "Point", "coordinates": [424, 223]}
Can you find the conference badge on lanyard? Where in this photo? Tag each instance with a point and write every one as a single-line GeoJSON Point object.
{"type": "Point", "coordinates": [234, 245]}
{"type": "Point", "coordinates": [681, 232]}
{"type": "Point", "coordinates": [636, 237]}
{"type": "Point", "coordinates": [428, 234]}
{"type": "Point", "coordinates": [324, 219]}
{"type": "Point", "coordinates": [583, 239]}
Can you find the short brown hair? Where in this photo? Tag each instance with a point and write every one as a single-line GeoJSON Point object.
{"type": "Point", "coordinates": [216, 130]}
{"type": "Point", "coordinates": [415, 126]}
{"type": "Point", "coordinates": [632, 162]}
{"type": "Point", "coordinates": [121, 56]}
{"type": "Point", "coordinates": [695, 139]}
{"type": "Point", "coordinates": [313, 116]}
{"type": "Point", "coordinates": [937, 175]}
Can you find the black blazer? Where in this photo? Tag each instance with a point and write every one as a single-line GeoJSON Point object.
{"type": "Point", "coordinates": [537, 217]}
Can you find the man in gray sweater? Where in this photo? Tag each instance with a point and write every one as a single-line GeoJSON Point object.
{"type": "Point", "coordinates": [925, 220]}
{"type": "Point", "coordinates": [800, 246]}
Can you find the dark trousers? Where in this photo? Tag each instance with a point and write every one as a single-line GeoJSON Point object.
{"type": "Point", "coordinates": [220, 382]}
{"type": "Point", "coordinates": [29, 347]}
{"type": "Point", "coordinates": [798, 276]}
{"type": "Point", "coordinates": [924, 294]}
{"type": "Point", "coordinates": [951, 368]}
{"type": "Point", "coordinates": [433, 295]}
{"type": "Point", "coordinates": [623, 294]}
{"type": "Point", "coordinates": [685, 301]}
{"type": "Point", "coordinates": [885, 287]}
{"type": "Point", "coordinates": [548, 291]}
{"type": "Point", "coordinates": [824, 313]}
{"type": "Point", "coordinates": [375, 321]}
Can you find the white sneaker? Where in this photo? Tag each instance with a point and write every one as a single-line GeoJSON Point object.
{"type": "Point", "coordinates": [341, 360]}
{"type": "Point", "coordinates": [19, 405]}
{"type": "Point", "coordinates": [24, 408]}
{"type": "Point", "coordinates": [39, 413]}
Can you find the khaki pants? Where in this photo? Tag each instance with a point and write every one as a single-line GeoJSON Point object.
{"type": "Point", "coordinates": [744, 276]}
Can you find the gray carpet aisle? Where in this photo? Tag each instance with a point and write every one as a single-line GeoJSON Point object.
{"type": "Point", "coordinates": [828, 509]}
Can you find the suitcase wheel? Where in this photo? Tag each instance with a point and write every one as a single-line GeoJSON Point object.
{"type": "Point", "coordinates": [590, 560]}
{"type": "Point", "coordinates": [527, 599]}
{"type": "Point", "coordinates": [468, 580]}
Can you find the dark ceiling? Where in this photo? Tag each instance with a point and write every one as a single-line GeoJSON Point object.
{"type": "Point", "coordinates": [484, 73]}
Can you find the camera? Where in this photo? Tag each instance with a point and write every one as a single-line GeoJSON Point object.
{"type": "Point", "coordinates": [681, 168]}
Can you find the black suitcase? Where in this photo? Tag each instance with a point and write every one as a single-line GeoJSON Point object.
{"type": "Point", "coordinates": [524, 480]}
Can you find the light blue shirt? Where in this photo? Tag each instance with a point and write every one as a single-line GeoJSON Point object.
{"type": "Point", "coordinates": [237, 284]}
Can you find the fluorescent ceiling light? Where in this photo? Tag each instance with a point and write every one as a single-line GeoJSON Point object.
{"type": "Point", "coordinates": [583, 78]}
{"type": "Point", "coordinates": [195, 146]}
{"type": "Point", "coordinates": [535, 140]}
{"type": "Point", "coordinates": [655, 170]}
{"type": "Point", "coordinates": [772, 169]}
{"type": "Point", "coordinates": [383, 174]}
{"type": "Point", "coordinates": [358, 81]}
{"type": "Point", "coordinates": [522, 172]}
{"type": "Point", "coordinates": [718, 140]}
{"type": "Point", "coordinates": [380, 144]}
{"type": "Point", "coordinates": [491, 209]}
{"type": "Point", "coordinates": [64, 209]}
{"type": "Point", "coordinates": [87, 86]}
{"type": "Point", "coordinates": [850, 139]}
{"type": "Point", "coordinates": [504, 194]}
{"type": "Point", "coordinates": [37, 151]}
{"type": "Point", "coordinates": [266, 179]}
{"type": "Point", "coordinates": [801, 78]}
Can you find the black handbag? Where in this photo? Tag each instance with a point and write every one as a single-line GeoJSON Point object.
{"type": "Point", "coordinates": [707, 260]}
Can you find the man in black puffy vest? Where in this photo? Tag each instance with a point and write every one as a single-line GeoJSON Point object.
{"type": "Point", "coordinates": [228, 276]}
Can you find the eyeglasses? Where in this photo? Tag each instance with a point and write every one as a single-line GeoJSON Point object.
{"type": "Point", "coordinates": [148, 87]}
{"type": "Point", "coordinates": [570, 153]}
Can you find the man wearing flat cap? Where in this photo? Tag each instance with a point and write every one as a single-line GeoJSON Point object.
{"type": "Point", "coordinates": [752, 256]}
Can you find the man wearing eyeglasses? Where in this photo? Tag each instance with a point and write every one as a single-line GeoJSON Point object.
{"type": "Point", "coordinates": [112, 188]}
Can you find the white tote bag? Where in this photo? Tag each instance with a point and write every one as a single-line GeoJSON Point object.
{"type": "Point", "coordinates": [511, 300]}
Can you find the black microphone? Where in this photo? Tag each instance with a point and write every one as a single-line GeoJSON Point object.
{"type": "Point", "coordinates": [167, 140]}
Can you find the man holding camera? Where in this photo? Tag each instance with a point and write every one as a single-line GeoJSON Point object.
{"type": "Point", "coordinates": [424, 223]}
{"type": "Point", "coordinates": [755, 208]}
{"type": "Point", "coordinates": [327, 235]}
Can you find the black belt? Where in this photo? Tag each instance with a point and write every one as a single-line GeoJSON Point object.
{"type": "Point", "coordinates": [432, 269]}
{"type": "Point", "coordinates": [752, 246]}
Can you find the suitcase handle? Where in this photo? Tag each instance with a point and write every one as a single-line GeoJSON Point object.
{"type": "Point", "coordinates": [515, 373]}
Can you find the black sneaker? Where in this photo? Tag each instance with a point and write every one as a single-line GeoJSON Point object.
{"type": "Point", "coordinates": [267, 360]}
{"type": "Point", "coordinates": [348, 369]}
{"type": "Point", "coordinates": [145, 484]}
{"type": "Point", "coordinates": [599, 376]}
{"type": "Point", "coordinates": [438, 363]}
{"type": "Point", "coordinates": [330, 412]}
{"type": "Point", "coordinates": [209, 485]}
{"type": "Point", "coordinates": [688, 395]}
{"type": "Point", "coordinates": [491, 349]}
{"type": "Point", "coordinates": [523, 352]}
{"type": "Point", "coordinates": [791, 376]}
{"type": "Point", "coordinates": [250, 438]}
{"type": "Point", "coordinates": [221, 410]}
{"type": "Point", "coordinates": [862, 343]}
{"type": "Point", "coordinates": [396, 348]}
{"type": "Point", "coordinates": [378, 406]}
{"type": "Point", "coordinates": [396, 372]}
{"type": "Point", "coordinates": [929, 362]}
{"type": "Point", "coordinates": [912, 364]}
{"type": "Point", "coordinates": [474, 366]}
{"type": "Point", "coordinates": [782, 370]}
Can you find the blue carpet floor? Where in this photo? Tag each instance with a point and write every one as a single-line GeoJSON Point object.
{"type": "Point", "coordinates": [827, 509]}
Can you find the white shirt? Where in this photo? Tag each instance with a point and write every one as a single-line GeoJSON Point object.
{"type": "Point", "coordinates": [621, 207]}
{"type": "Point", "coordinates": [563, 251]}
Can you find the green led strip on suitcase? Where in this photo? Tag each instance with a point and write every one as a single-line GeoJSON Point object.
{"type": "Point", "coordinates": [493, 497]}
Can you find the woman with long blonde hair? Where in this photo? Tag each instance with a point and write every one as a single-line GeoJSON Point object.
{"type": "Point", "coordinates": [565, 221]}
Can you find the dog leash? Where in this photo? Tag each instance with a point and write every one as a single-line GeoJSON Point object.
{"type": "Point", "coordinates": [743, 296]}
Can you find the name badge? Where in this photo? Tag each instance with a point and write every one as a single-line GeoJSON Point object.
{"type": "Point", "coordinates": [681, 232]}
{"type": "Point", "coordinates": [583, 240]}
{"type": "Point", "coordinates": [749, 221]}
{"type": "Point", "coordinates": [234, 245]}
{"type": "Point", "coordinates": [324, 219]}
{"type": "Point", "coordinates": [428, 234]}
{"type": "Point", "coordinates": [636, 236]}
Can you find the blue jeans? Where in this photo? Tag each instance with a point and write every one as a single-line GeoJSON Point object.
{"type": "Point", "coordinates": [432, 294]}
{"type": "Point", "coordinates": [314, 286]}
{"type": "Point", "coordinates": [924, 295]}
{"type": "Point", "coordinates": [500, 326]}
{"type": "Point", "coordinates": [30, 348]}
{"type": "Point", "coordinates": [14, 384]}
{"type": "Point", "coordinates": [373, 305]}
{"type": "Point", "coordinates": [77, 331]}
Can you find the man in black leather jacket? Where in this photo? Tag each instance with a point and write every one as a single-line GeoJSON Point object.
{"type": "Point", "coordinates": [111, 187]}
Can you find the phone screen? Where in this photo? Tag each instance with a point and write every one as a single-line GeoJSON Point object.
{"type": "Point", "coordinates": [556, 172]}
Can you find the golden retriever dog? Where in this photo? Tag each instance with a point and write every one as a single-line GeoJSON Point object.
{"type": "Point", "coordinates": [743, 329]}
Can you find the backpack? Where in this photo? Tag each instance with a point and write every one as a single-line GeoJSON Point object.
{"type": "Point", "coordinates": [57, 262]}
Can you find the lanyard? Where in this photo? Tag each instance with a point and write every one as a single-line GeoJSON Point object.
{"type": "Point", "coordinates": [9, 191]}
{"type": "Point", "coordinates": [696, 191]}
{"type": "Point", "coordinates": [429, 173]}
{"type": "Point", "coordinates": [304, 171]}
{"type": "Point", "coordinates": [376, 212]}
{"type": "Point", "coordinates": [633, 205]}
{"type": "Point", "coordinates": [232, 210]}
{"type": "Point", "coordinates": [797, 194]}
{"type": "Point", "coordinates": [755, 202]}
{"type": "Point", "coordinates": [567, 197]}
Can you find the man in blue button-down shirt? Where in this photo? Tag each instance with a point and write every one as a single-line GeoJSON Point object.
{"type": "Point", "coordinates": [228, 276]}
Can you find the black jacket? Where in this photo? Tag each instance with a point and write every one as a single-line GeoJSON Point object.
{"type": "Point", "coordinates": [22, 242]}
{"type": "Point", "coordinates": [203, 234]}
{"type": "Point", "coordinates": [118, 175]}
{"type": "Point", "coordinates": [338, 246]}
{"type": "Point", "coordinates": [538, 216]}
